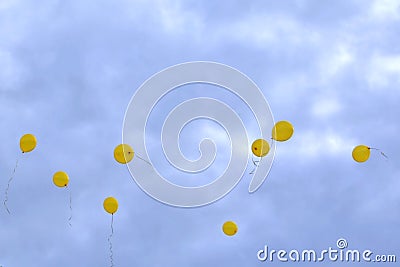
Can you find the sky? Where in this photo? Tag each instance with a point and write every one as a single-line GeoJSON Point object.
{"type": "Point", "coordinates": [69, 69]}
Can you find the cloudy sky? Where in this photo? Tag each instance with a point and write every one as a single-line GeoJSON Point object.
{"type": "Point", "coordinates": [69, 68]}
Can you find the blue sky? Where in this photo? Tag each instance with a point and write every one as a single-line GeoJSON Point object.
{"type": "Point", "coordinates": [69, 69]}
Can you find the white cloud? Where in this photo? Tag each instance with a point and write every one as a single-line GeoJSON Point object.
{"type": "Point", "coordinates": [384, 71]}
{"type": "Point", "coordinates": [317, 143]}
{"type": "Point", "coordinates": [176, 20]}
{"type": "Point", "coordinates": [386, 9]}
{"type": "Point", "coordinates": [159, 16]}
{"type": "Point", "coordinates": [11, 71]}
{"type": "Point", "coordinates": [5, 4]}
{"type": "Point", "coordinates": [264, 29]}
{"type": "Point", "coordinates": [340, 57]}
{"type": "Point", "coordinates": [325, 106]}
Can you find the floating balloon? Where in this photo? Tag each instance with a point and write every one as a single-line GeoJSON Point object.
{"type": "Point", "coordinates": [229, 228]}
{"type": "Point", "coordinates": [260, 147]}
{"type": "Point", "coordinates": [60, 179]}
{"type": "Point", "coordinates": [27, 143]}
{"type": "Point", "coordinates": [361, 153]}
{"type": "Point", "coordinates": [282, 131]}
{"type": "Point", "coordinates": [110, 205]}
{"type": "Point", "coordinates": [123, 153]}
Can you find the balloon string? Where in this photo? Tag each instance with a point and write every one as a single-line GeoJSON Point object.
{"type": "Point", "coordinates": [109, 240]}
{"type": "Point", "coordinates": [383, 154]}
{"type": "Point", "coordinates": [70, 206]}
{"type": "Point", "coordinates": [8, 187]}
{"type": "Point", "coordinates": [256, 163]}
{"type": "Point", "coordinates": [144, 160]}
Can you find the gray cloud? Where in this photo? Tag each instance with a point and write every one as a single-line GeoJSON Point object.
{"type": "Point", "coordinates": [69, 70]}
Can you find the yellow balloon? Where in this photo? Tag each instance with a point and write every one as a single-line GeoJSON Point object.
{"type": "Point", "coordinates": [27, 143]}
{"type": "Point", "coordinates": [282, 131]}
{"type": "Point", "coordinates": [123, 153]}
{"type": "Point", "coordinates": [60, 179]}
{"type": "Point", "coordinates": [361, 153]}
{"type": "Point", "coordinates": [110, 205]}
{"type": "Point", "coordinates": [260, 147]}
{"type": "Point", "coordinates": [229, 228]}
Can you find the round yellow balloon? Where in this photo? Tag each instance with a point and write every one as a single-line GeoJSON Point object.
{"type": "Point", "coordinates": [361, 153]}
{"type": "Point", "coordinates": [260, 147]}
{"type": "Point", "coordinates": [110, 205]}
{"type": "Point", "coordinates": [27, 143]}
{"type": "Point", "coordinates": [282, 131]}
{"type": "Point", "coordinates": [123, 153]}
{"type": "Point", "coordinates": [60, 179]}
{"type": "Point", "coordinates": [229, 228]}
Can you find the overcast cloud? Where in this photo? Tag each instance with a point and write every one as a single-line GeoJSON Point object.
{"type": "Point", "coordinates": [69, 68]}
